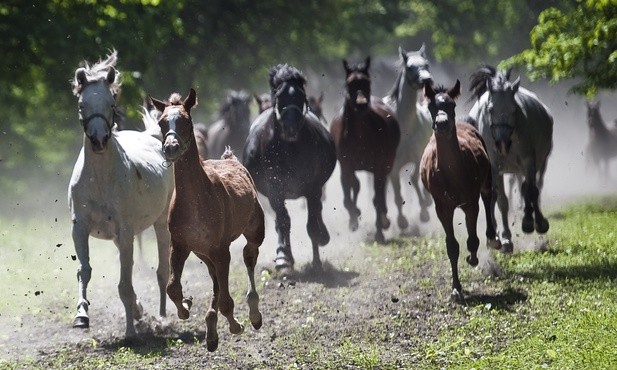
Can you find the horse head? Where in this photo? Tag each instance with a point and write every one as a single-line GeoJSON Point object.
{"type": "Point", "coordinates": [235, 108]}
{"type": "Point", "coordinates": [442, 107]}
{"type": "Point", "coordinates": [96, 88]}
{"type": "Point", "coordinates": [416, 67]}
{"type": "Point", "coordinates": [263, 101]}
{"type": "Point", "coordinates": [594, 118]}
{"type": "Point", "coordinates": [176, 123]}
{"type": "Point", "coordinates": [502, 109]}
{"type": "Point", "coordinates": [289, 100]}
{"type": "Point", "coordinates": [358, 84]}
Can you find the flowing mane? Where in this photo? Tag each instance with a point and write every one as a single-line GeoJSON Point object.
{"type": "Point", "coordinates": [98, 72]}
{"type": "Point", "coordinates": [486, 73]}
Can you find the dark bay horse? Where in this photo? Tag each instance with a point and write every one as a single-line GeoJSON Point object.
{"type": "Point", "coordinates": [456, 171]}
{"type": "Point", "coordinates": [264, 102]}
{"type": "Point", "coordinates": [415, 124]}
{"type": "Point", "coordinates": [518, 131]}
{"type": "Point", "coordinates": [233, 126]}
{"type": "Point", "coordinates": [602, 144]}
{"type": "Point", "coordinates": [290, 154]}
{"type": "Point", "coordinates": [366, 134]}
{"type": "Point", "coordinates": [118, 188]}
{"type": "Point", "coordinates": [213, 203]}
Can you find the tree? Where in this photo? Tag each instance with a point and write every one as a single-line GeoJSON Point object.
{"type": "Point", "coordinates": [578, 42]}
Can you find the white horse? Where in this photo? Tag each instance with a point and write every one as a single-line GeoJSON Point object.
{"type": "Point", "coordinates": [416, 127]}
{"type": "Point", "coordinates": [119, 187]}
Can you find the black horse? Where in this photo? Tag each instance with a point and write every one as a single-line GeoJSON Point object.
{"type": "Point", "coordinates": [290, 154]}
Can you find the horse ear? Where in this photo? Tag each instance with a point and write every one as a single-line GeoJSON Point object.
{"type": "Point", "coordinates": [455, 91]}
{"type": "Point", "coordinates": [403, 54]}
{"type": "Point", "coordinates": [422, 49]}
{"type": "Point", "coordinates": [80, 76]}
{"type": "Point", "coordinates": [428, 91]}
{"type": "Point", "coordinates": [367, 63]}
{"type": "Point", "coordinates": [516, 84]}
{"type": "Point", "coordinates": [111, 76]}
{"type": "Point", "coordinates": [157, 104]}
{"type": "Point", "coordinates": [190, 100]}
{"type": "Point", "coordinates": [346, 66]}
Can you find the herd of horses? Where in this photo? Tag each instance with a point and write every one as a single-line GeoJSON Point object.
{"type": "Point", "coordinates": [198, 185]}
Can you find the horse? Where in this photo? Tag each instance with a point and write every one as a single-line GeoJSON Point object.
{"type": "Point", "coordinates": [119, 187]}
{"type": "Point", "coordinates": [366, 134]}
{"type": "Point", "coordinates": [213, 203]}
{"type": "Point", "coordinates": [456, 170]}
{"type": "Point", "coordinates": [263, 102]}
{"type": "Point", "coordinates": [315, 105]}
{"type": "Point", "coordinates": [415, 123]}
{"type": "Point", "coordinates": [518, 131]}
{"type": "Point", "coordinates": [602, 143]}
{"type": "Point", "coordinates": [233, 126]}
{"type": "Point", "coordinates": [290, 154]}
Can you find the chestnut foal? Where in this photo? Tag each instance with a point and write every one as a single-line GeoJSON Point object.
{"type": "Point", "coordinates": [213, 203]}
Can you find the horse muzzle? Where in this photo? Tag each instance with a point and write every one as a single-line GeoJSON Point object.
{"type": "Point", "coordinates": [171, 148]}
{"type": "Point", "coordinates": [502, 135]}
{"type": "Point", "coordinates": [441, 124]}
{"type": "Point", "coordinates": [99, 142]}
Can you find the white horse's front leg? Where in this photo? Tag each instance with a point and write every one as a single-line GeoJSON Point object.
{"type": "Point", "coordinates": [80, 234]}
{"type": "Point", "coordinates": [132, 308]}
{"type": "Point", "coordinates": [504, 208]}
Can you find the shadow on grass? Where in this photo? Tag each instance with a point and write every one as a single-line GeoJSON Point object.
{"type": "Point", "coordinates": [329, 276]}
{"type": "Point", "coordinates": [148, 342]}
{"type": "Point", "coordinates": [500, 301]}
{"type": "Point", "coordinates": [596, 271]}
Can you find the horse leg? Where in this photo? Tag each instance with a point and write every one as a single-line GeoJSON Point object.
{"type": "Point", "coordinates": [254, 235]}
{"type": "Point", "coordinates": [471, 223]}
{"type": "Point", "coordinates": [225, 302]}
{"type": "Point", "coordinates": [212, 335]}
{"type": "Point", "coordinates": [504, 208]}
{"type": "Point", "coordinates": [424, 198]}
{"type": "Point", "coordinates": [315, 226]}
{"type": "Point", "coordinates": [84, 272]}
{"type": "Point", "coordinates": [132, 308]}
{"type": "Point", "coordinates": [541, 224]}
{"type": "Point", "coordinates": [351, 188]}
{"type": "Point", "coordinates": [445, 215]}
{"type": "Point", "coordinates": [163, 239]}
{"type": "Point", "coordinates": [284, 260]}
{"type": "Point", "coordinates": [177, 257]}
{"type": "Point", "coordinates": [398, 198]}
{"type": "Point", "coordinates": [492, 241]}
{"type": "Point", "coordinates": [379, 201]}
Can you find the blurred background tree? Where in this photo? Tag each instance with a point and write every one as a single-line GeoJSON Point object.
{"type": "Point", "coordinates": [167, 46]}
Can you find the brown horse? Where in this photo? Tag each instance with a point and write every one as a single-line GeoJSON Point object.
{"type": "Point", "coordinates": [456, 170]}
{"type": "Point", "coordinates": [214, 202]}
{"type": "Point", "coordinates": [366, 134]}
{"type": "Point", "coordinates": [602, 144]}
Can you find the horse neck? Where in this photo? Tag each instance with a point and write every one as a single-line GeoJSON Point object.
{"type": "Point", "coordinates": [102, 164]}
{"type": "Point", "coordinates": [448, 151]}
{"type": "Point", "coordinates": [406, 102]}
{"type": "Point", "coordinates": [187, 169]}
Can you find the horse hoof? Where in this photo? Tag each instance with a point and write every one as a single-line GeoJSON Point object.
{"type": "Point", "coordinates": [138, 310]}
{"type": "Point", "coordinates": [456, 295]}
{"type": "Point", "coordinates": [212, 344]}
{"type": "Point", "coordinates": [494, 244]}
{"type": "Point", "coordinates": [542, 226]}
{"type": "Point", "coordinates": [527, 225]}
{"type": "Point", "coordinates": [379, 238]}
{"type": "Point", "coordinates": [472, 260]}
{"type": "Point", "coordinates": [424, 216]}
{"type": "Point", "coordinates": [507, 247]}
{"type": "Point", "coordinates": [256, 320]}
{"type": "Point", "coordinates": [402, 222]}
{"type": "Point", "coordinates": [82, 322]}
{"type": "Point", "coordinates": [353, 224]}
{"type": "Point", "coordinates": [236, 328]}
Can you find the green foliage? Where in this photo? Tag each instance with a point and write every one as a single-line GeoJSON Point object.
{"type": "Point", "coordinates": [577, 42]}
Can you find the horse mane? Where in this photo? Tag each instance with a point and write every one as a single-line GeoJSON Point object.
{"type": "Point", "coordinates": [282, 73]}
{"type": "Point", "coordinates": [175, 99]}
{"type": "Point", "coordinates": [99, 72]}
{"type": "Point", "coordinates": [394, 91]}
{"type": "Point", "coordinates": [485, 73]}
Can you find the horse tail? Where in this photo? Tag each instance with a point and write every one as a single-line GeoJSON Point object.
{"type": "Point", "coordinates": [229, 154]}
{"type": "Point", "coordinates": [477, 81]}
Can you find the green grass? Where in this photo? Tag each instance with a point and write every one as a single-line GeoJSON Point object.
{"type": "Point", "coordinates": [568, 319]}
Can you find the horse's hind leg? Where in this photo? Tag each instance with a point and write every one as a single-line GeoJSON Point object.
{"type": "Point", "coordinates": [492, 240]}
{"type": "Point", "coordinates": [254, 235]}
{"type": "Point", "coordinates": [541, 224]}
{"type": "Point", "coordinates": [177, 257]}
{"type": "Point", "coordinates": [132, 308]}
{"type": "Point", "coordinates": [212, 335]}
{"type": "Point", "coordinates": [398, 198]}
{"type": "Point", "coordinates": [379, 201]}
{"type": "Point", "coordinates": [351, 188]}
{"type": "Point", "coordinates": [504, 208]}
{"type": "Point", "coordinates": [163, 239]}
{"type": "Point", "coordinates": [315, 226]}
{"type": "Point", "coordinates": [225, 302]}
{"type": "Point", "coordinates": [424, 198]}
